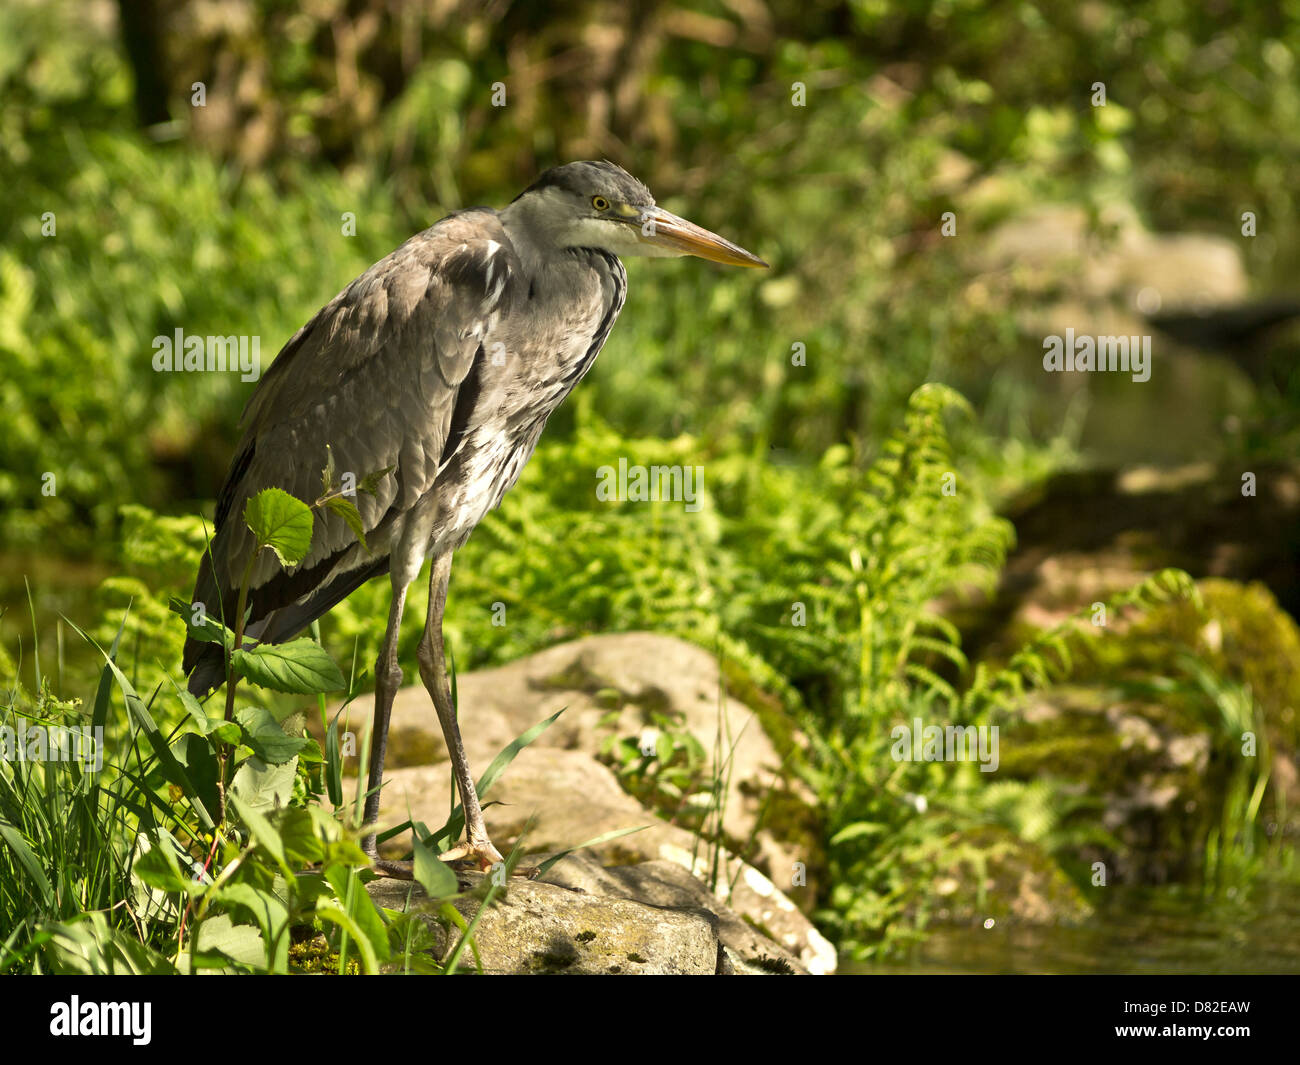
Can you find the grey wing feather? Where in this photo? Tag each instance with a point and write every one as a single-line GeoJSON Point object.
{"type": "Point", "coordinates": [374, 375]}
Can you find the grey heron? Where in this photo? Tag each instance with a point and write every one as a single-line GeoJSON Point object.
{"type": "Point", "coordinates": [442, 361]}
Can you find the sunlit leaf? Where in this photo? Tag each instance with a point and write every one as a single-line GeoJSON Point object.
{"type": "Point", "coordinates": [280, 522]}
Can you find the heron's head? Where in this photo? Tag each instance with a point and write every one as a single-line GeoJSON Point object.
{"type": "Point", "coordinates": [600, 205]}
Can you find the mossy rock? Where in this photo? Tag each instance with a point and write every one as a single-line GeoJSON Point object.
{"type": "Point", "coordinates": [1252, 640]}
{"type": "Point", "coordinates": [1146, 734]}
{"type": "Point", "coordinates": [1244, 638]}
{"type": "Point", "coordinates": [1147, 777]}
{"type": "Point", "coordinates": [1012, 879]}
{"type": "Point", "coordinates": [310, 954]}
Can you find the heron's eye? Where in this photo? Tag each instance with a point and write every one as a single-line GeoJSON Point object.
{"type": "Point", "coordinates": [600, 203]}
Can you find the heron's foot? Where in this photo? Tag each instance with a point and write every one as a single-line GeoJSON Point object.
{"type": "Point", "coordinates": [465, 855]}
{"type": "Point", "coordinates": [481, 855]}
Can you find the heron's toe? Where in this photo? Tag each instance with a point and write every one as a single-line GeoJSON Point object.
{"type": "Point", "coordinates": [483, 855]}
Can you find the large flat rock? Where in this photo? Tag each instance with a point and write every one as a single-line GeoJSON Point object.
{"type": "Point", "coordinates": [607, 686]}
{"type": "Point", "coordinates": [546, 929]}
{"type": "Point", "coordinates": [758, 926]}
{"type": "Point", "coordinates": [571, 798]}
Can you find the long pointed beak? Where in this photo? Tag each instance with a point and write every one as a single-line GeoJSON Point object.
{"type": "Point", "coordinates": [666, 230]}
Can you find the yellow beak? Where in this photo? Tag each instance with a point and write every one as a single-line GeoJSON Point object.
{"type": "Point", "coordinates": [666, 230]}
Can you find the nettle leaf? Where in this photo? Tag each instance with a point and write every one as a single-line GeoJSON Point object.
{"type": "Point", "coordinates": [302, 667]}
{"type": "Point", "coordinates": [370, 481]}
{"type": "Point", "coordinates": [311, 754]}
{"type": "Point", "coordinates": [347, 510]}
{"type": "Point", "coordinates": [262, 831]}
{"type": "Point", "coordinates": [225, 731]}
{"type": "Point", "coordinates": [262, 786]}
{"type": "Point", "coordinates": [158, 868]}
{"type": "Point", "coordinates": [218, 941]}
{"type": "Point", "coordinates": [210, 630]}
{"type": "Point", "coordinates": [298, 832]}
{"type": "Point", "coordinates": [280, 522]}
{"type": "Point", "coordinates": [264, 735]}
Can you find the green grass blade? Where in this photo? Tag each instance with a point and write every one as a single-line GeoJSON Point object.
{"type": "Point", "coordinates": [605, 837]}
{"type": "Point", "coordinates": [28, 861]}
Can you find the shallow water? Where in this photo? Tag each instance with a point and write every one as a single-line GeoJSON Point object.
{"type": "Point", "coordinates": [1148, 931]}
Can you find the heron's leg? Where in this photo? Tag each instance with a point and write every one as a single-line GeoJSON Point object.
{"type": "Point", "coordinates": [433, 671]}
{"type": "Point", "coordinates": [388, 678]}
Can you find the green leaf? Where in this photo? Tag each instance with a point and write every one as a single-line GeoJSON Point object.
{"type": "Point", "coordinates": [270, 913]}
{"type": "Point", "coordinates": [449, 832]}
{"type": "Point", "coordinates": [263, 733]}
{"type": "Point", "coordinates": [411, 940]}
{"type": "Point", "coordinates": [263, 832]}
{"type": "Point", "coordinates": [334, 764]}
{"type": "Point", "coordinates": [172, 769]}
{"type": "Point", "coordinates": [370, 481]}
{"type": "Point", "coordinates": [219, 941]}
{"type": "Point", "coordinates": [347, 510]}
{"type": "Point", "coordinates": [467, 937]}
{"type": "Point", "coordinates": [280, 522]}
{"type": "Point", "coordinates": [264, 787]}
{"type": "Point", "coordinates": [328, 909]}
{"type": "Point", "coordinates": [28, 861]}
{"type": "Point", "coordinates": [209, 630]}
{"type": "Point", "coordinates": [454, 919]}
{"type": "Point", "coordinates": [431, 874]}
{"type": "Point", "coordinates": [365, 922]}
{"type": "Point", "coordinates": [311, 753]}
{"type": "Point", "coordinates": [159, 868]}
{"type": "Point", "coordinates": [298, 831]}
{"type": "Point", "coordinates": [302, 667]}
{"type": "Point", "coordinates": [195, 709]}
{"type": "Point", "coordinates": [511, 749]}
{"type": "Point", "coordinates": [856, 831]}
{"type": "Point", "coordinates": [88, 946]}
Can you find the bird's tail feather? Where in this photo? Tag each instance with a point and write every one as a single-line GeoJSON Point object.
{"type": "Point", "coordinates": [209, 670]}
{"type": "Point", "coordinates": [206, 662]}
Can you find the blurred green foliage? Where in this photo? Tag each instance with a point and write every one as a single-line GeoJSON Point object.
{"type": "Point", "coordinates": [911, 109]}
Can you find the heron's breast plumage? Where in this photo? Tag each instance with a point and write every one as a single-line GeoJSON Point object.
{"type": "Point", "coordinates": [528, 364]}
